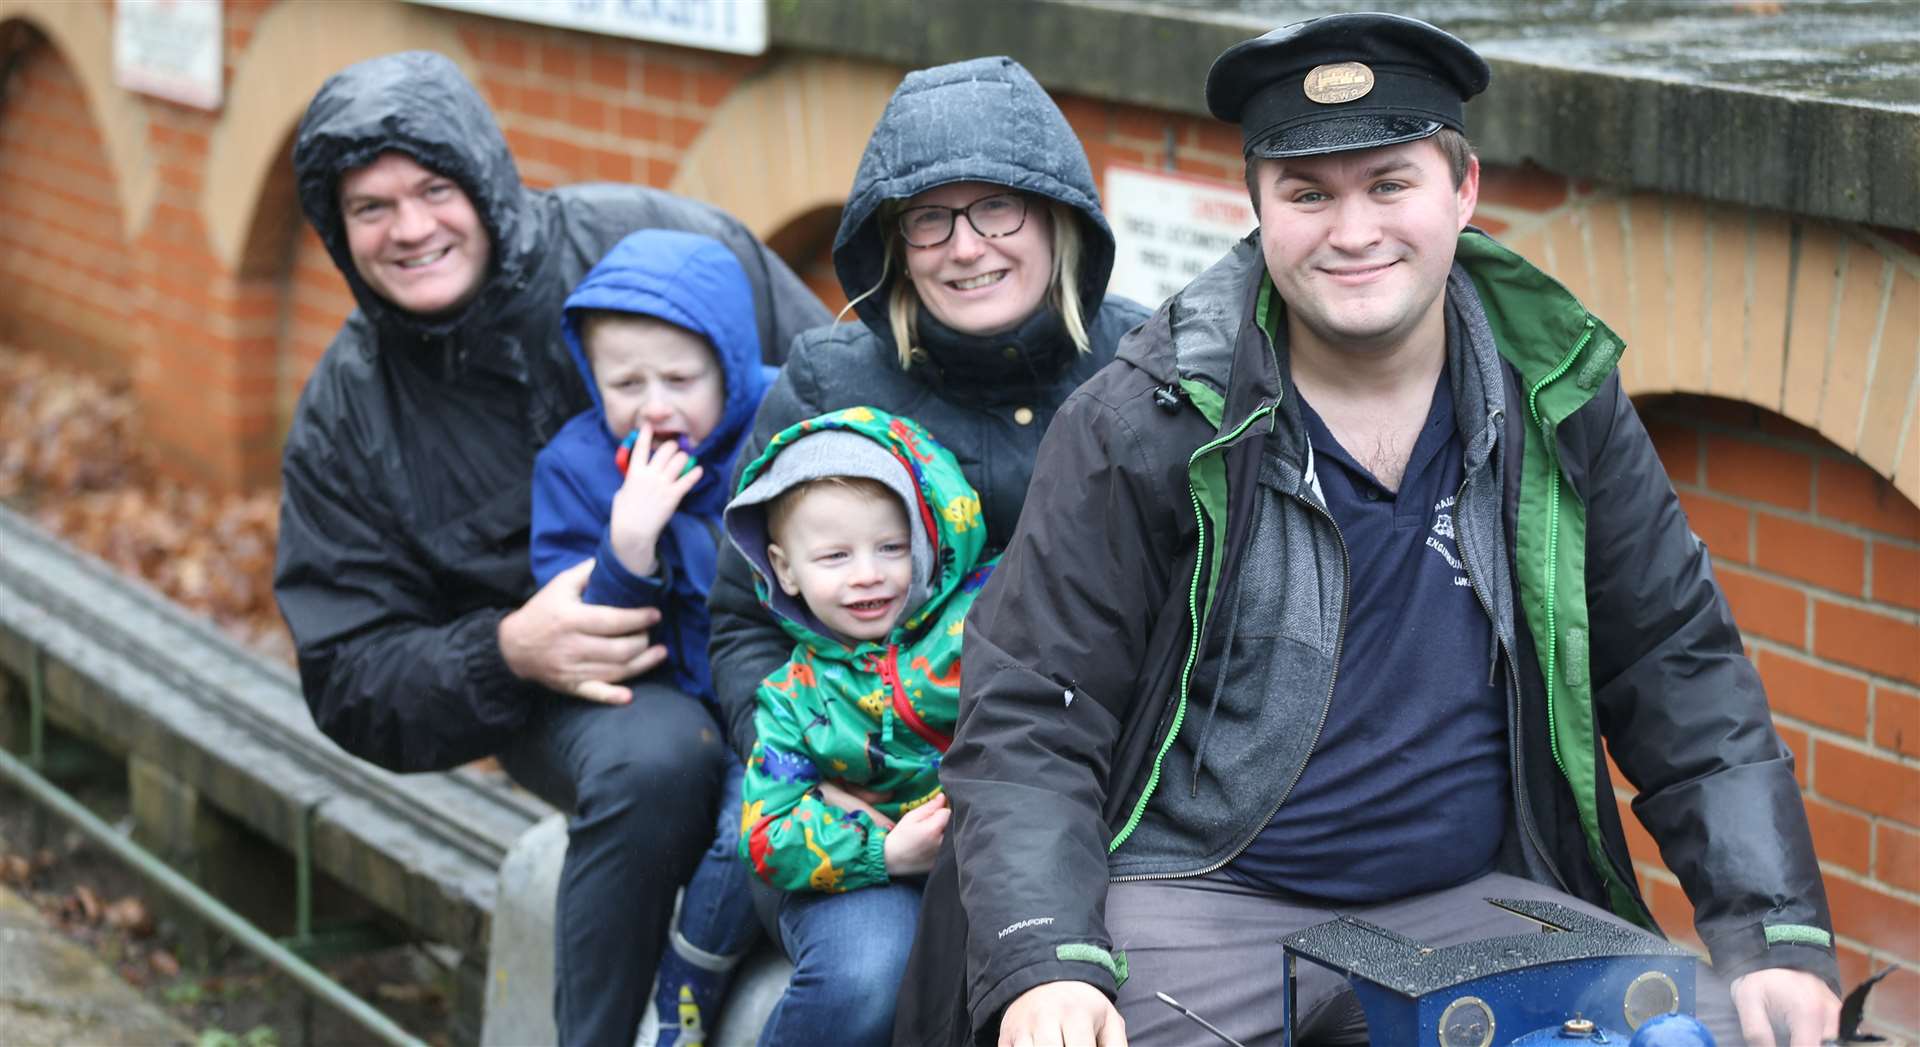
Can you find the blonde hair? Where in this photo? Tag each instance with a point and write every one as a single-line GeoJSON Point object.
{"type": "Point", "coordinates": [781, 509]}
{"type": "Point", "coordinates": [903, 303]}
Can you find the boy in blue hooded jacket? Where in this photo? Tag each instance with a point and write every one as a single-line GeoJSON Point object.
{"type": "Point", "coordinates": [662, 330]}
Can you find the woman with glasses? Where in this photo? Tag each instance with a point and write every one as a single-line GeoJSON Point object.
{"type": "Point", "coordinates": [974, 252]}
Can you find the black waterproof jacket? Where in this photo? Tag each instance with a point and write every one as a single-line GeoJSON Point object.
{"type": "Point", "coordinates": [1075, 762]}
{"type": "Point", "coordinates": [407, 472]}
{"type": "Point", "coordinates": [988, 400]}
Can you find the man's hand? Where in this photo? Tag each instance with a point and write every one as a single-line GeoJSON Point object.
{"type": "Point", "coordinates": [1062, 1014]}
{"type": "Point", "coordinates": [1796, 999]}
{"type": "Point", "coordinates": [647, 499]}
{"type": "Point", "coordinates": [575, 648]}
{"type": "Point", "coordinates": [915, 838]}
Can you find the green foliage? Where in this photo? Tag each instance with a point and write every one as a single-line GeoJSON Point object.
{"type": "Point", "coordinates": [184, 994]}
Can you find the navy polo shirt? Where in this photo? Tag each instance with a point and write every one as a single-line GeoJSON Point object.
{"type": "Point", "coordinates": [1406, 789]}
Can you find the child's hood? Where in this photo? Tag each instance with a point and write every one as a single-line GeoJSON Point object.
{"type": "Point", "coordinates": [945, 509]}
{"type": "Point", "coordinates": [694, 282]}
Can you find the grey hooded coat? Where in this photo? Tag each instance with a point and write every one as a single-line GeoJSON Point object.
{"type": "Point", "coordinates": [407, 473]}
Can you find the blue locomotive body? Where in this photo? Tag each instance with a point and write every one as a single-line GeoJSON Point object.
{"type": "Point", "coordinates": [1580, 981]}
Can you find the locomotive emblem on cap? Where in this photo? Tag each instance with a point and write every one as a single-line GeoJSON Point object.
{"type": "Point", "coordinates": [1339, 82]}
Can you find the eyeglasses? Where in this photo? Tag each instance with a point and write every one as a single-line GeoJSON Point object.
{"type": "Point", "coordinates": [931, 225]}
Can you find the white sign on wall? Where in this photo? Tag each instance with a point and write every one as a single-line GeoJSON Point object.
{"type": "Point", "coordinates": [1168, 228]}
{"type": "Point", "coordinates": [735, 26]}
{"type": "Point", "coordinates": [170, 49]}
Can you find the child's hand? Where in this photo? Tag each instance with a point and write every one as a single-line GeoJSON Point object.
{"type": "Point", "coordinates": [915, 838]}
{"type": "Point", "coordinates": [851, 798]}
{"type": "Point", "coordinates": [642, 506]}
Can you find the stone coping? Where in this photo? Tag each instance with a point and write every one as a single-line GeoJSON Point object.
{"type": "Point", "coordinates": [1810, 106]}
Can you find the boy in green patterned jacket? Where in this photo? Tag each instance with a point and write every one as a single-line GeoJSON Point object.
{"type": "Point", "coordinates": [863, 535]}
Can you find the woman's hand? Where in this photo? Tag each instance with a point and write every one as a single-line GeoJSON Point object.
{"type": "Point", "coordinates": [915, 838]}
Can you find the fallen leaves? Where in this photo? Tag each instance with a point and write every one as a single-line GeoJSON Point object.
{"type": "Point", "coordinates": [19, 870]}
{"type": "Point", "coordinates": [130, 914]}
{"type": "Point", "coordinates": [70, 449]}
{"type": "Point", "coordinates": [163, 963]}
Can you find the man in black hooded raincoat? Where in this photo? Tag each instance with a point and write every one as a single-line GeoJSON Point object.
{"type": "Point", "coordinates": [403, 569]}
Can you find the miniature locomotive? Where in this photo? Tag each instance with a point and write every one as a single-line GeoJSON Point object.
{"type": "Point", "coordinates": [1584, 982]}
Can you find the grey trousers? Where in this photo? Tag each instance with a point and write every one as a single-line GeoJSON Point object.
{"type": "Point", "coordinates": [1214, 945]}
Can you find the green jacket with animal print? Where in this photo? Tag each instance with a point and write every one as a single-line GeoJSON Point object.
{"type": "Point", "coordinates": [878, 714]}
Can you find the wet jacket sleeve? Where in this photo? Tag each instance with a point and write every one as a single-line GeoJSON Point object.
{"type": "Point", "coordinates": [791, 838]}
{"type": "Point", "coordinates": [567, 529]}
{"type": "Point", "coordinates": [1051, 668]}
{"type": "Point", "coordinates": [747, 645]}
{"type": "Point", "coordinates": [1686, 719]}
{"type": "Point", "coordinates": [388, 674]}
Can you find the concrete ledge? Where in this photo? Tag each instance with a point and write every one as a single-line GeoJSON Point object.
{"type": "Point", "coordinates": [1832, 136]}
{"type": "Point", "coordinates": [519, 998]}
{"type": "Point", "coordinates": [135, 675]}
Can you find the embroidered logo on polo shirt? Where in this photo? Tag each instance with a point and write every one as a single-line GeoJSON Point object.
{"type": "Point", "coordinates": [1339, 82]}
{"type": "Point", "coordinates": [1449, 549]}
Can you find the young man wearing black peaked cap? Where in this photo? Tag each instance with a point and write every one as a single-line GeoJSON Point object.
{"type": "Point", "coordinates": [1332, 594]}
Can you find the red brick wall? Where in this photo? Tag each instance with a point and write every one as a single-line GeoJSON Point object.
{"type": "Point", "coordinates": [1820, 560]}
{"type": "Point", "coordinates": [65, 266]}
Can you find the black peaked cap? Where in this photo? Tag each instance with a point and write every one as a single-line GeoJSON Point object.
{"type": "Point", "coordinates": [1349, 81]}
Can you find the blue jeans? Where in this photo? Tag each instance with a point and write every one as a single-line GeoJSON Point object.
{"type": "Point", "coordinates": [849, 952]}
{"type": "Point", "coordinates": [716, 914]}
{"type": "Point", "coordinates": [639, 782]}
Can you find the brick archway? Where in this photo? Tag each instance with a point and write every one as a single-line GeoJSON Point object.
{"type": "Point", "coordinates": [295, 47]}
{"type": "Point", "coordinates": [1815, 321]}
{"type": "Point", "coordinates": [83, 36]}
{"type": "Point", "coordinates": [62, 224]}
{"type": "Point", "coordinates": [1819, 558]}
{"type": "Point", "coordinates": [786, 143]}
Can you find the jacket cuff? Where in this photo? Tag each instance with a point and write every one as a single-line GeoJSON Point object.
{"type": "Point", "coordinates": [500, 697]}
{"type": "Point", "coordinates": [1812, 959]}
{"type": "Point", "coordinates": [986, 1011]}
{"type": "Point", "coordinates": [872, 864]}
{"type": "Point", "coordinates": [612, 585]}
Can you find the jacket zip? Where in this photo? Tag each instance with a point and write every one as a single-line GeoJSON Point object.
{"type": "Point", "coordinates": [1522, 807]}
{"type": "Point", "coordinates": [889, 667]}
{"type": "Point", "coordinates": [1552, 577]}
{"type": "Point", "coordinates": [1193, 616]}
{"type": "Point", "coordinates": [1609, 875]}
{"type": "Point", "coordinates": [1339, 645]}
